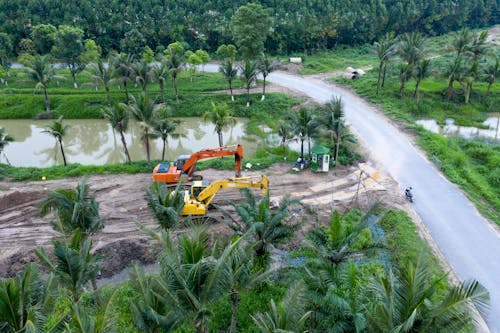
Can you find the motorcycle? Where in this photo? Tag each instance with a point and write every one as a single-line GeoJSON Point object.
{"type": "Point", "coordinates": [408, 194]}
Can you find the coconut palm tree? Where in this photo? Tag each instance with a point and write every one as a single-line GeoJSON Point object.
{"type": "Point", "coordinates": [145, 111]}
{"type": "Point", "coordinates": [459, 45]}
{"type": "Point", "coordinates": [305, 126]}
{"type": "Point", "coordinates": [229, 72]}
{"type": "Point", "coordinates": [27, 300]}
{"type": "Point", "coordinates": [490, 74]}
{"type": "Point", "coordinates": [265, 67]}
{"type": "Point", "coordinates": [410, 50]}
{"type": "Point", "coordinates": [4, 140]}
{"type": "Point", "coordinates": [84, 322]}
{"type": "Point", "coordinates": [118, 118]}
{"type": "Point", "coordinates": [104, 75]}
{"type": "Point", "coordinates": [122, 64]}
{"type": "Point", "coordinates": [221, 117]}
{"type": "Point", "coordinates": [287, 316]}
{"type": "Point", "coordinates": [142, 74]}
{"type": "Point", "coordinates": [331, 120]}
{"type": "Point", "coordinates": [385, 48]}
{"type": "Point", "coordinates": [42, 72]}
{"type": "Point", "coordinates": [166, 205]}
{"type": "Point", "coordinates": [421, 71]}
{"type": "Point", "coordinates": [164, 128]}
{"type": "Point", "coordinates": [74, 210]}
{"type": "Point", "coordinates": [175, 61]}
{"type": "Point", "coordinates": [269, 226]}
{"type": "Point", "coordinates": [407, 302]}
{"type": "Point", "coordinates": [285, 132]}
{"type": "Point", "coordinates": [58, 130]}
{"type": "Point", "coordinates": [161, 74]}
{"type": "Point", "coordinates": [248, 72]}
{"type": "Point", "coordinates": [74, 264]}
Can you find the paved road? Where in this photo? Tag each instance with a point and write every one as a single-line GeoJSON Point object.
{"type": "Point", "coordinates": [468, 241]}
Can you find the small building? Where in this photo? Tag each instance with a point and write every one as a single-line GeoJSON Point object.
{"type": "Point", "coordinates": [320, 161]}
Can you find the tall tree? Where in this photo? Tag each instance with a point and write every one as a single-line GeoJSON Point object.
{"type": "Point", "coordinates": [164, 128]}
{"type": "Point", "coordinates": [6, 49]}
{"type": "Point", "coordinates": [305, 127]}
{"type": "Point", "coordinates": [161, 72]}
{"type": "Point", "coordinates": [122, 63]}
{"type": "Point", "coordinates": [248, 72]}
{"type": "Point", "coordinates": [58, 130]}
{"type": "Point", "coordinates": [175, 61]}
{"type": "Point", "coordinates": [285, 132]}
{"type": "Point", "coordinates": [103, 74]}
{"type": "Point", "coordinates": [42, 72]}
{"type": "Point", "coordinates": [459, 45]}
{"type": "Point", "coordinates": [491, 72]}
{"type": "Point", "coordinates": [410, 50]}
{"type": "Point", "coordinates": [385, 47]}
{"type": "Point", "coordinates": [118, 118]}
{"type": "Point", "coordinates": [421, 71]}
{"type": "Point", "coordinates": [44, 37]}
{"type": "Point", "coordinates": [145, 111]}
{"type": "Point", "coordinates": [266, 66]}
{"type": "Point", "coordinates": [4, 140]}
{"type": "Point", "coordinates": [142, 73]}
{"type": "Point", "coordinates": [68, 48]}
{"type": "Point", "coordinates": [331, 120]}
{"type": "Point", "coordinates": [229, 71]}
{"type": "Point", "coordinates": [221, 117]}
{"type": "Point", "coordinates": [251, 24]}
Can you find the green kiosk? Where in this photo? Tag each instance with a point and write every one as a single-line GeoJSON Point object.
{"type": "Point", "coordinates": [320, 161]}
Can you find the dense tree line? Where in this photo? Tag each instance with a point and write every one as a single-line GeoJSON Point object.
{"type": "Point", "coordinates": [295, 25]}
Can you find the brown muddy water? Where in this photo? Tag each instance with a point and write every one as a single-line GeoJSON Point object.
{"type": "Point", "coordinates": [92, 141]}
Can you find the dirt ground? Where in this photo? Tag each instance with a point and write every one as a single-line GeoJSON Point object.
{"type": "Point", "coordinates": [122, 204]}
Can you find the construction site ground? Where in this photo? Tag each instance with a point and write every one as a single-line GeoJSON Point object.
{"type": "Point", "coordinates": [123, 204]}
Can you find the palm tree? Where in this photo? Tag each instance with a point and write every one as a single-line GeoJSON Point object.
{"type": "Point", "coordinates": [305, 127]}
{"type": "Point", "coordinates": [407, 302]}
{"type": "Point", "coordinates": [26, 301]}
{"type": "Point", "coordinates": [164, 128]}
{"type": "Point", "coordinates": [83, 322]}
{"type": "Point", "coordinates": [410, 50]}
{"type": "Point", "coordinates": [459, 45]}
{"type": "Point", "coordinates": [144, 110]}
{"type": "Point", "coordinates": [4, 140]}
{"type": "Point", "coordinates": [74, 265]}
{"type": "Point", "coordinates": [42, 72]}
{"type": "Point", "coordinates": [331, 120]}
{"type": "Point", "coordinates": [103, 74]}
{"type": "Point", "coordinates": [421, 71]}
{"type": "Point", "coordinates": [122, 64]}
{"type": "Point", "coordinates": [269, 226]}
{"type": "Point", "coordinates": [288, 316]}
{"type": "Point", "coordinates": [221, 117]}
{"type": "Point", "coordinates": [490, 73]}
{"type": "Point", "coordinates": [229, 72]}
{"type": "Point", "coordinates": [166, 205]}
{"type": "Point", "coordinates": [161, 74]}
{"type": "Point", "coordinates": [118, 118]}
{"type": "Point", "coordinates": [248, 73]}
{"type": "Point", "coordinates": [386, 47]}
{"type": "Point", "coordinates": [74, 210]}
{"type": "Point", "coordinates": [265, 67]}
{"type": "Point", "coordinates": [58, 130]}
{"type": "Point", "coordinates": [285, 133]}
{"type": "Point", "coordinates": [142, 74]}
{"type": "Point", "coordinates": [175, 61]}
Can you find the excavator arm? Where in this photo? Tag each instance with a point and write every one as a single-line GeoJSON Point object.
{"type": "Point", "coordinates": [198, 204]}
{"type": "Point", "coordinates": [190, 164]}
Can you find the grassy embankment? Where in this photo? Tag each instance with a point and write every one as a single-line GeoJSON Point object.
{"type": "Point", "coordinates": [20, 101]}
{"type": "Point", "coordinates": [472, 164]}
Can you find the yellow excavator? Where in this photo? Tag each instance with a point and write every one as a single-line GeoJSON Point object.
{"type": "Point", "coordinates": [201, 193]}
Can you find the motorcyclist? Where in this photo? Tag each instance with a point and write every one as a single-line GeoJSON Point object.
{"type": "Point", "coordinates": [408, 193]}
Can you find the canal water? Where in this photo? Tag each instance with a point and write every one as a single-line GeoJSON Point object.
{"type": "Point", "coordinates": [92, 141]}
{"type": "Point", "coordinates": [491, 129]}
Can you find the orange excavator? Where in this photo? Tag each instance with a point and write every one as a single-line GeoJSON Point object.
{"type": "Point", "coordinates": [183, 168]}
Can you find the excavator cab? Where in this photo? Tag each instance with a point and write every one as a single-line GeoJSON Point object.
{"type": "Point", "coordinates": [181, 160]}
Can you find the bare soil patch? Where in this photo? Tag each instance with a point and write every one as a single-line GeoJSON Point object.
{"type": "Point", "coordinates": [122, 204]}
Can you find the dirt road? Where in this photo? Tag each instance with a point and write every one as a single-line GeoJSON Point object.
{"type": "Point", "coordinates": [122, 204]}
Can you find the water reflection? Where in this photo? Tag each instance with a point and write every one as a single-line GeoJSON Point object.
{"type": "Point", "coordinates": [91, 141]}
{"type": "Point", "coordinates": [450, 129]}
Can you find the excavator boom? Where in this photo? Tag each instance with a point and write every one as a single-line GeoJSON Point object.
{"type": "Point", "coordinates": [201, 194]}
{"type": "Point", "coordinates": [184, 167]}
